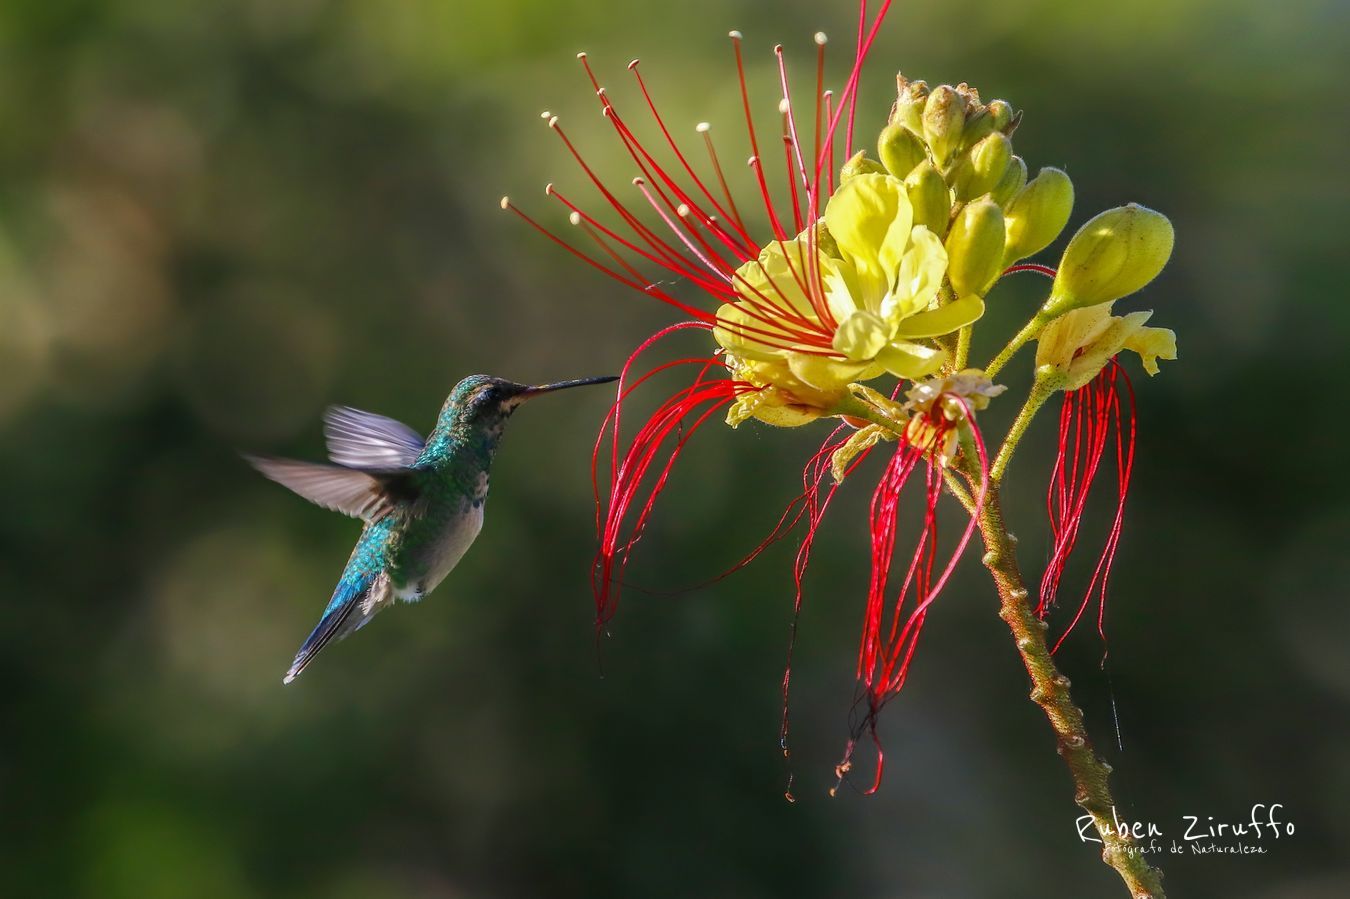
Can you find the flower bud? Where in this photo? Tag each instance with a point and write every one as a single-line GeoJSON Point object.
{"type": "Point", "coordinates": [1001, 116]}
{"type": "Point", "coordinates": [980, 170]}
{"type": "Point", "coordinates": [930, 198]}
{"type": "Point", "coordinates": [975, 248]}
{"type": "Point", "coordinates": [1113, 255]}
{"type": "Point", "coordinates": [860, 165]}
{"type": "Point", "coordinates": [900, 149]}
{"type": "Point", "coordinates": [1013, 180]}
{"type": "Point", "coordinates": [1037, 214]}
{"type": "Point", "coordinates": [909, 102]}
{"type": "Point", "coordinates": [944, 118]}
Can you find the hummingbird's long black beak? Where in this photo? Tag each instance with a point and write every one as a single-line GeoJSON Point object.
{"type": "Point", "coordinates": [563, 385]}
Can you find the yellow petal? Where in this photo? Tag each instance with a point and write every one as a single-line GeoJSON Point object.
{"type": "Point", "coordinates": [1153, 344]}
{"type": "Point", "coordinates": [943, 320]}
{"type": "Point", "coordinates": [1066, 334]}
{"type": "Point", "coordinates": [870, 219]}
{"type": "Point", "coordinates": [918, 278]}
{"type": "Point", "coordinates": [823, 373]}
{"type": "Point", "coordinates": [861, 336]}
{"type": "Point", "coordinates": [776, 277]}
{"type": "Point", "coordinates": [911, 360]}
{"type": "Point", "coordinates": [738, 331]}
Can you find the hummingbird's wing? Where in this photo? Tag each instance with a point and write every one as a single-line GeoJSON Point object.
{"type": "Point", "coordinates": [354, 601]}
{"type": "Point", "coordinates": [359, 439]}
{"type": "Point", "coordinates": [360, 494]}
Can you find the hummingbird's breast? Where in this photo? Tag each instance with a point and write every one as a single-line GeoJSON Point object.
{"type": "Point", "coordinates": [444, 539]}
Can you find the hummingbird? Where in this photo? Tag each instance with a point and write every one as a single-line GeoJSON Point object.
{"type": "Point", "coordinates": [421, 500]}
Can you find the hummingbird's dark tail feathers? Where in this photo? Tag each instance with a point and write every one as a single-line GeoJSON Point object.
{"type": "Point", "coordinates": [354, 602]}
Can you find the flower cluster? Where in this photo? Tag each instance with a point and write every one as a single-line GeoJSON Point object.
{"type": "Point", "coordinates": [873, 270]}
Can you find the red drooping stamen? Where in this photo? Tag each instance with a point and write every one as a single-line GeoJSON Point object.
{"type": "Point", "coordinates": [891, 627]}
{"type": "Point", "coordinates": [818, 467]}
{"type": "Point", "coordinates": [678, 417]}
{"type": "Point", "coordinates": [1092, 418]}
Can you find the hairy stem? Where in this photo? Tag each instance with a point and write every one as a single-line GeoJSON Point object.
{"type": "Point", "coordinates": [1049, 687]}
{"type": "Point", "coordinates": [1050, 690]}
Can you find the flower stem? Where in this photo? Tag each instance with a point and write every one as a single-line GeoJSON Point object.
{"type": "Point", "coordinates": [1030, 330]}
{"type": "Point", "coordinates": [1048, 380]}
{"type": "Point", "coordinates": [1050, 690]}
{"type": "Point", "coordinates": [962, 348]}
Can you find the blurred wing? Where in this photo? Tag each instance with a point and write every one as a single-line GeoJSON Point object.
{"type": "Point", "coordinates": [365, 440]}
{"type": "Point", "coordinates": [344, 490]}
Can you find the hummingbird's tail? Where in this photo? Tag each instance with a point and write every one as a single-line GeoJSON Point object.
{"type": "Point", "coordinates": [354, 602]}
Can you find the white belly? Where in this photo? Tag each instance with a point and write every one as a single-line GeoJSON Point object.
{"type": "Point", "coordinates": [443, 558]}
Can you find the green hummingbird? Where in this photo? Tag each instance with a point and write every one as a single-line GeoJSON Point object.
{"type": "Point", "coordinates": [421, 500]}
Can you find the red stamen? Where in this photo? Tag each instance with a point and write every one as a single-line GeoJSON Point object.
{"type": "Point", "coordinates": [1090, 418]}
{"type": "Point", "coordinates": [890, 633]}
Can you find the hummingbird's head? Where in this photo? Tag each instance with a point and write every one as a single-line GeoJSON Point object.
{"type": "Point", "coordinates": [482, 399]}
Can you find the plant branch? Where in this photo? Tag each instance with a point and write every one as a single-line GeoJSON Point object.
{"type": "Point", "coordinates": [1050, 690]}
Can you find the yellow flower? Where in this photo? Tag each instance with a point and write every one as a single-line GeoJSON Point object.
{"type": "Point", "coordinates": [851, 316]}
{"type": "Point", "coordinates": [1080, 343]}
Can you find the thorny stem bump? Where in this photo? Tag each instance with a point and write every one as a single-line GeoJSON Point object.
{"type": "Point", "coordinates": [1049, 687]}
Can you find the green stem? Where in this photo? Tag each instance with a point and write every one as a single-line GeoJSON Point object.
{"type": "Point", "coordinates": [1048, 380]}
{"type": "Point", "coordinates": [1030, 330]}
{"type": "Point", "coordinates": [1049, 688]}
{"type": "Point", "coordinates": [962, 348]}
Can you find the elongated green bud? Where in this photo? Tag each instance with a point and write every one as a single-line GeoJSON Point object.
{"type": "Point", "coordinates": [910, 97]}
{"type": "Point", "coordinates": [930, 197]}
{"type": "Point", "coordinates": [1037, 214]}
{"type": "Point", "coordinates": [860, 165]}
{"type": "Point", "coordinates": [944, 118]}
{"type": "Point", "coordinates": [1013, 180]}
{"type": "Point", "coordinates": [975, 248]}
{"type": "Point", "coordinates": [900, 149]}
{"type": "Point", "coordinates": [1115, 254]}
{"type": "Point", "coordinates": [980, 170]}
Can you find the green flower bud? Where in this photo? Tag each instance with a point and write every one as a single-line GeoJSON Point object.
{"type": "Point", "coordinates": [1113, 255]}
{"type": "Point", "coordinates": [1013, 180]}
{"type": "Point", "coordinates": [860, 165]}
{"type": "Point", "coordinates": [975, 248]}
{"type": "Point", "coordinates": [930, 197]}
{"type": "Point", "coordinates": [944, 119]}
{"type": "Point", "coordinates": [910, 98]}
{"type": "Point", "coordinates": [1037, 214]}
{"type": "Point", "coordinates": [980, 171]}
{"type": "Point", "coordinates": [1002, 117]}
{"type": "Point", "coordinates": [900, 149]}
{"type": "Point", "coordinates": [978, 126]}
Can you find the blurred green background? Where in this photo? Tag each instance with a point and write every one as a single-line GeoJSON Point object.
{"type": "Point", "coordinates": [218, 217]}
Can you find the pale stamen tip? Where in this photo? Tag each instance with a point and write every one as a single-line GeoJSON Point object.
{"type": "Point", "coordinates": [821, 39]}
{"type": "Point", "coordinates": [682, 210]}
{"type": "Point", "coordinates": [553, 122]}
{"type": "Point", "coordinates": [633, 63]}
{"type": "Point", "coordinates": [752, 161]}
{"type": "Point", "coordinates": [548, 189]}
{"type": "Point", "coordinates": [575, 218]}
{"type": "Point", "coordinates": [703, 127]}
{"type": "Point", "coordinates": [581, 55]}
{"type": "Point", "coordinates": [735, 35]}
{"type": "Point", "coordinates": [784, 106]}
{"type": "Point", "coordinates": [778, 49]}
{"type": "Point", "coordinates": [545, 115]}
{"type": "Point", "coordinates": [506, 202]}
{"type": "Point", "coordinates": [638, 182]}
